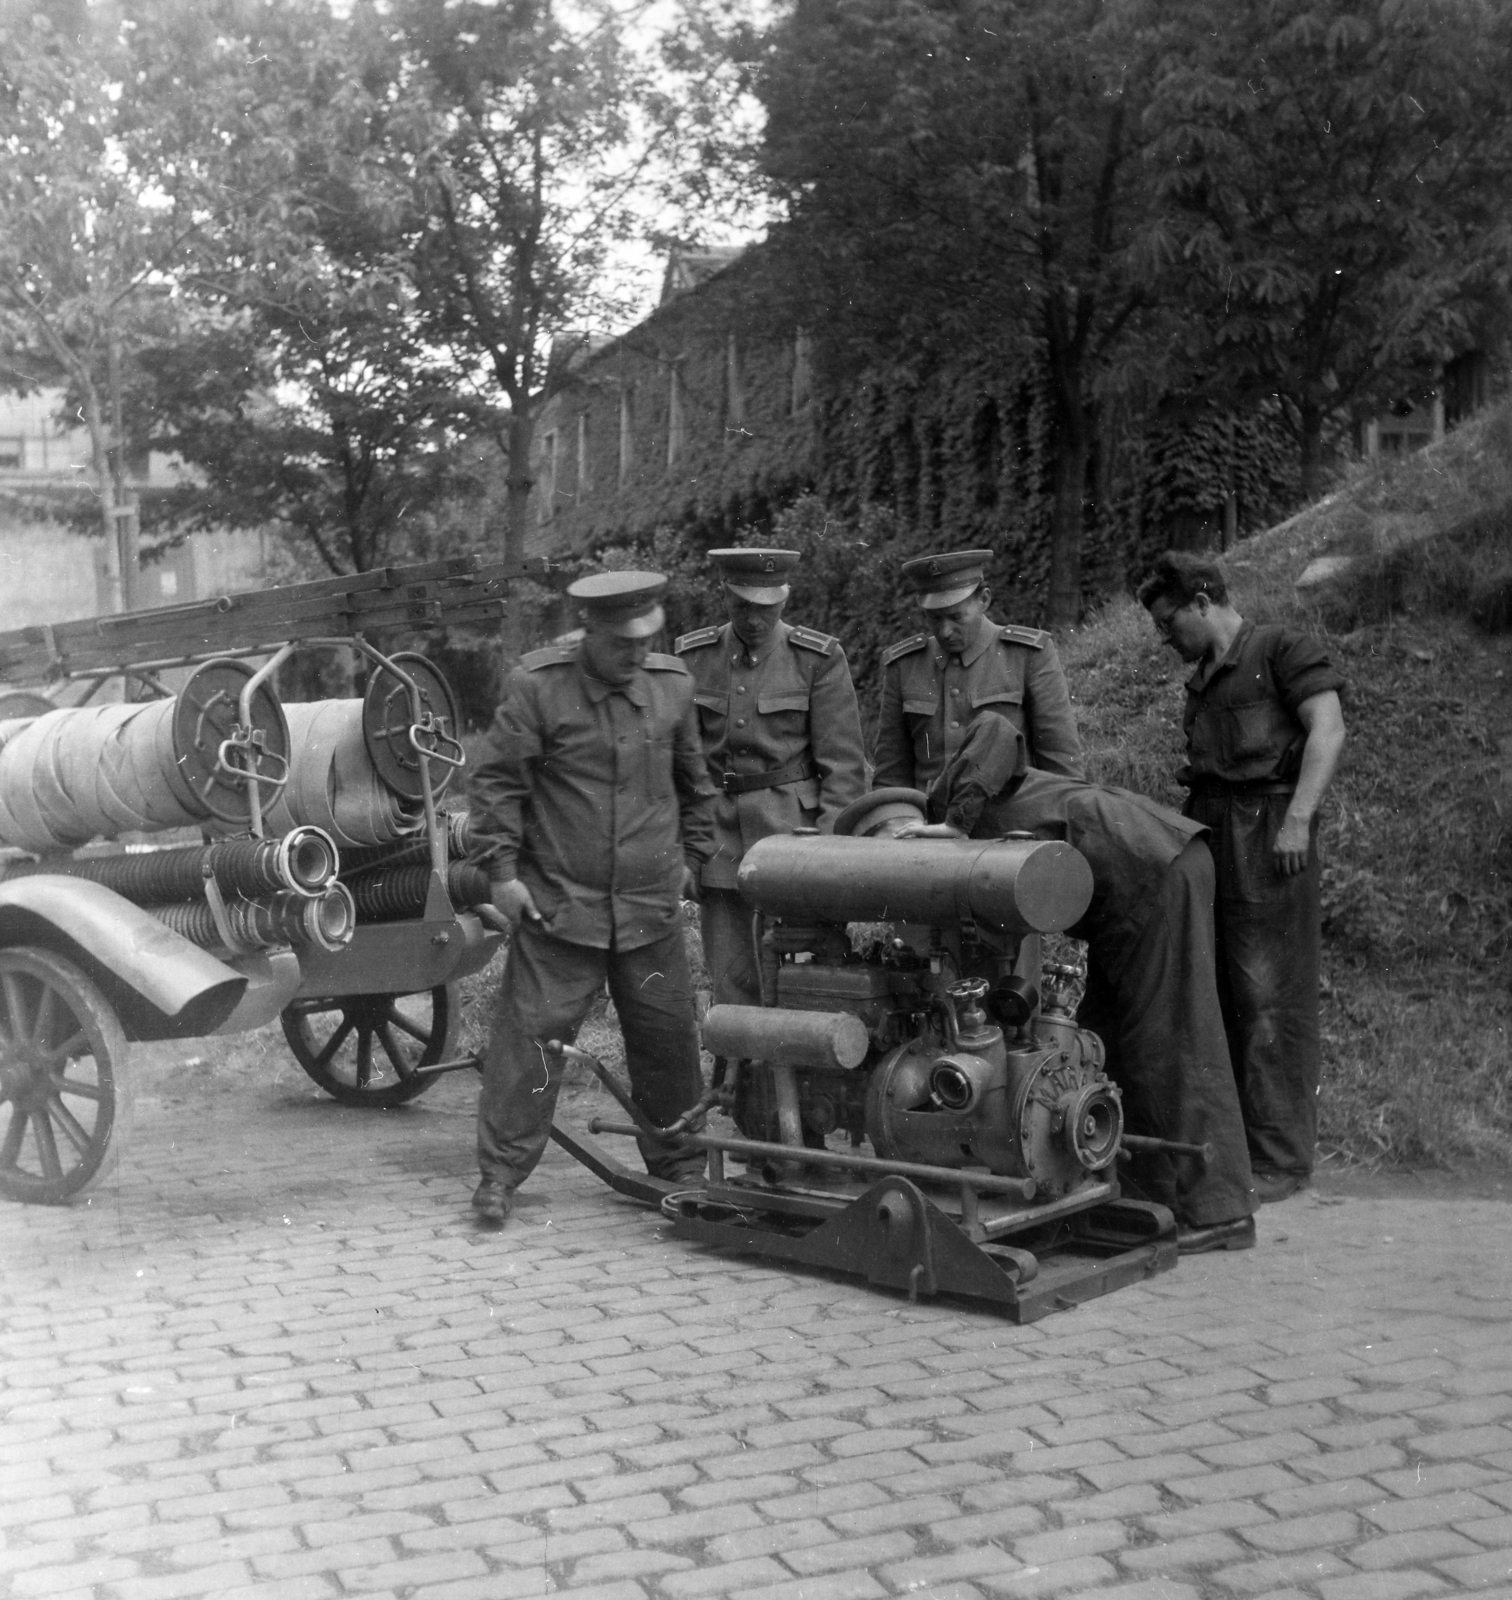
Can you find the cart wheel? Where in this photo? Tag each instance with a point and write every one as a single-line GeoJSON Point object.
{"type": "Point", "coordinates": [65, 1085]}
{"type": "Point", "coordinates": [363, 1049]}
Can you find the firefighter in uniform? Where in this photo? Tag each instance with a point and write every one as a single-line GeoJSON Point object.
{"type": "Point", "coordinates": [590, 811]}
{"type": "Point", "coordinates": [782, 733]}
{"type": "Point", "coordinates": [935, 683]}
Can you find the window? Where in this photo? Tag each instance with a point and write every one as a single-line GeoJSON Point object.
{"type": "Point", "coordinates": [803, 371]}
{"type": "Point", "coordinates": [735, 408]}
{"type": "Point", "coordinates": [584, 479]}
{"type": "Point", "coordinates": [548, 478]}
{"type": "Point", "coordinates": [626, 433]}
{"type": "Point", "coordinates": [677, 417]}
{"type": "Point", "coordinates": [12, 454]}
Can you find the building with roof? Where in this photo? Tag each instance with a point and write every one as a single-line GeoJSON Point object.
{"type": "Point", "coordinates": [702, 414]}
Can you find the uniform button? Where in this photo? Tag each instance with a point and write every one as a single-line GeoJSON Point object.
{"type": "Point", "coordinates": [955, 724]}
{"type": "Point", "coordinates": [739, 688]}
{"type": "Point", "coordinates": [955, 691]}
{"type": "Point", "coordinates": [740, 722]}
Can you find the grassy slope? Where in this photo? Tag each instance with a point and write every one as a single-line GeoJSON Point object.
{"type": "Point", "coordinates": [1418, 855]}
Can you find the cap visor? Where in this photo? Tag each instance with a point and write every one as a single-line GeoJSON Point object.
{"type": "Point", "coordinates": [938, 599]}
{"type": "Point", "coordinates": [759, 597]}
{"type": "Point", "coordinates": [639, 627]}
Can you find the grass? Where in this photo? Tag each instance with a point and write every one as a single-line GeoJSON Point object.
{"type": "Point", "coordinates": [1416, 843]}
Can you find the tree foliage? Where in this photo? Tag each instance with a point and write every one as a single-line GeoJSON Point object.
{"type": "Point", "coordinates": [1335, 177]}
{"type": "Point", "coordinates": [970, 177]}
{"type": "Point", "coordinates": [89, 231]}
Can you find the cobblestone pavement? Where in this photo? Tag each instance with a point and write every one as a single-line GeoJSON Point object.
{"type": "Point", "coordinates": [273, 1357]}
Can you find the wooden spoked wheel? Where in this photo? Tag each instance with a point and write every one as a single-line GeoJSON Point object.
{"type": "Point", "coordinates": [365, 1049]}
{"type": "Point", "coordinates": [65, 1085]}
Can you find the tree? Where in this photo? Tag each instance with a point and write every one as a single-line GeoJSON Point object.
{"type": "Point", "coordinates": [1335, 186]}
{"type": "Point", "coordinates": [83, 243]}
{"type": "Point", "coordinates": [523, 140]}
{"type": "Point", "coordinates": [970, 176]}
{"type": "Point", "coordinates": [302, 389]}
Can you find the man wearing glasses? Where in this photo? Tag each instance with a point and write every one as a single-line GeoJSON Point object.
{"type": "Point", "coordinates": [1264, 732]}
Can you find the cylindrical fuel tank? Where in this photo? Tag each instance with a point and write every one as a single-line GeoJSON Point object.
{"type": "Point", "coordinates": [1011, 885]}
{"type": "Point", "coordinates": [834, 1039]}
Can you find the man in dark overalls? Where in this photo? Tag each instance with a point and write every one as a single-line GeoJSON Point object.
{"type": "Point", "coordinates": [1151, 995]}
{"type": "Point", "coordinates": [1264, 732]}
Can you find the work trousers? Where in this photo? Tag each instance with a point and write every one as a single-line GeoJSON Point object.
{"type": "Point", "coordinates": [724, 916]}
{"type": "Point", "coordinates": [1269, 929]}
{"type": "Point", "coordinates": [1152, 998]}
{"type": "Point", "coordinates": [548, 988]}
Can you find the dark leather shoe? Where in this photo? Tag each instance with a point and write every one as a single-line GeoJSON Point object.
{"type": "Point", "coordinates": [492, 1204]}
{"type": "Point", "coordinates": [1274, 1186]}
{"type": "Point", "coordinates": [1238, 1233]}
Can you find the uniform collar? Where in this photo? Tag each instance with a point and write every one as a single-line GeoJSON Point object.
{"type": "Point", "coordinates": [741, 652]}
{"type": "Point", "coordinates": [598, 691]}
{"type": "Point", "coordinates": [976, 646]}
{"type": "Point", "coordinates": [1204, 674]}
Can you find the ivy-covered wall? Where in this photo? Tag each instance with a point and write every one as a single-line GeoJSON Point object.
{"type": "Point", "coordinates": [701, 417]}
{"type": "Point", "coordinates": [702, 425]}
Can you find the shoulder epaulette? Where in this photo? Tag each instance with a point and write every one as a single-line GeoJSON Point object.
{"type": "Point", "coordinates": [1035, 638]}
{"type": "Point", "coordinates": [812, 639]}
{"type": "Point", "coordinates": [697, 639]}
{"type": "Point", "coordinates": [905, 647]}
{"type": "Point", "coordinates": [657, 662]}
{"type": "Point", "coordinates": [553, 655]}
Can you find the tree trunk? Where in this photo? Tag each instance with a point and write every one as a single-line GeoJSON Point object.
{"type": "Point", "coordinates": [99, 460]}
{"type": "Point", "coordinates": [516, 527]}
{"type": "Point", "coordinates": [123, 512]}
{"type": "Point", "coordinates": [1072, 446]}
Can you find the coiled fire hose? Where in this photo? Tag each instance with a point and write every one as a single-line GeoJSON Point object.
{"type": "Point", "coordinates": [332, 781]}
{"type": "Point", "coordinates": [361, 858]}
{"type": "Point", "coordinates": [303, 862]}
{"type": "Point", "coordinates": [72, 774]}
{"type": "Point", "coordinates": [327, 920]}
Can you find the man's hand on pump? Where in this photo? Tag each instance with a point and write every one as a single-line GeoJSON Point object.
{"type": "Point", "coordinates": [928, 830]}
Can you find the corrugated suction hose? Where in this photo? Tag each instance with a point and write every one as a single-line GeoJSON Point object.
{"type": "Point", "coordinates": [304, 861]}
{"type": "Point", "coordinates": [327, 920]}
{"type": "Point", "coordinates": [390, 893]}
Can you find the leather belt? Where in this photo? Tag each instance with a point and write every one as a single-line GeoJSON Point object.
{"type": "Point", "coordinates": [744, 782]}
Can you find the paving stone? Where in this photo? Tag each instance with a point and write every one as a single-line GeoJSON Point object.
{"type": "Point", "coordinates": [1073, 1577]}
{"type": "Point", "coordinates": [1479, 1571]}
{"type": "Point", "coordinates": [1400, 1585]}
{"type": "Point", "coordinates": [1173, 1555]}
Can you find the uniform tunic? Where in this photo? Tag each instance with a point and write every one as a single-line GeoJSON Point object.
{"type": "Point", "coordinates": [595, 796]}
{"type": "Point", "coordinates": [787, 707]}
{"type": "Point", "coordinates": [1151, 994]}
{"type": "Point", "coordinates": [1244, 749]}
{"type": "Point", "coordinates": [929, 700]}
